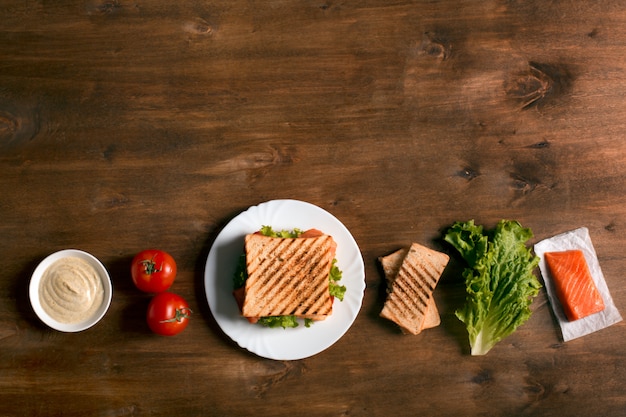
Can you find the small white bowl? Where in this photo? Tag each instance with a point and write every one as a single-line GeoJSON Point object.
{"type": "Point", "coordinates": [35, 281]}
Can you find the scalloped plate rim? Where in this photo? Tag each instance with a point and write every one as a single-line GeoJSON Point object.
{"type": "Point", "coordinates": [282, 344]}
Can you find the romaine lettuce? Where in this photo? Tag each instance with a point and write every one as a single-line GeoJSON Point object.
{"type": "Point", "coordinates": [499, 280]}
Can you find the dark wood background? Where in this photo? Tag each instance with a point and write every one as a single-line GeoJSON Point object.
{"type": "Point", "coordinates": [127, 125]}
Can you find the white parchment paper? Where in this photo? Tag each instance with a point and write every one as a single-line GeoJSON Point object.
{"type": "Point", "coordinates": [577, 239]}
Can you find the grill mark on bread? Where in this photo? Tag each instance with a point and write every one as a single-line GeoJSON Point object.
{"type": "Point", "coordinates": [391, 265]}
{"type": "Point", "coordinates": [422, 287]}
{"type": "Point", "coordinates": [298, 291]}
{"type": "Point", "coordinates": [411, 290]}
{"type": "Point", "coordinates": [288, 276]}
{"type": "Point", "coordinates": [418, 291]}
{"type": "Point", "coordinates": [285, 248]}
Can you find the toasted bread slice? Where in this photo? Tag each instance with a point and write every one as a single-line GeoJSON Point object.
{"type": "Point", "coordinates": [391, 265]}
{"type": "Point", "coordinates": [288, 276]}
{"type": "Point", "coordinates": [412, 275]}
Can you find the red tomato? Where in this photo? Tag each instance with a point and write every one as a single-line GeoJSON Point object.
{"type": "Point", "coordinates": [168, 314]}
{"type": "Point", "coordinates": [153, 270]}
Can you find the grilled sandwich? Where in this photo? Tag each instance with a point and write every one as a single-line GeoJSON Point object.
{"type": "Point", "coordinates": [288, 276]}
{"type": "Point", "coordinates": [412, 274]}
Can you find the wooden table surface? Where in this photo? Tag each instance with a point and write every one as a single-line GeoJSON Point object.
{"type": "Point", "coordinates": [128, 125]}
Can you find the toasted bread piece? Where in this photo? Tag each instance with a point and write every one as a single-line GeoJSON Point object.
{"type": "Point", "coordinates": [412, 275]}
{"type": "Point", "coordinates": [288, 276]}
{"type": "Point", "coordinates": [391, 265]}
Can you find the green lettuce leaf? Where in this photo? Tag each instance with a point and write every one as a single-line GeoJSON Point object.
{"type": "Point", "coordinates": [279, 321]}
{"type": "Point", "coordinates": [334, 288]}
{"type": "Point", "coordinates": [499, 280]}
{"type": "Point", "coordinates": [269, 232]}
{"type": "Point", "coordinates": [283, 321]}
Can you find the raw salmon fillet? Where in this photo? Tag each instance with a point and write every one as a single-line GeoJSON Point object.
{"type": "Point", "coordinates": [573, 284]}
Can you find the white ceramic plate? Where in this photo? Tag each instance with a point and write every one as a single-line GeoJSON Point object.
{"type": "Point", "coordinates": [33, 291]}
{"type": "Point", "coordinates": [279, 343]}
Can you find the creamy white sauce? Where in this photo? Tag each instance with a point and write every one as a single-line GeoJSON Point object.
{"type": "Point", "coordinates": [71, 290]}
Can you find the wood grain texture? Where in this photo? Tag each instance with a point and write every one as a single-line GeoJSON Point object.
{"type": "Point", "coordinates": [127, 125]}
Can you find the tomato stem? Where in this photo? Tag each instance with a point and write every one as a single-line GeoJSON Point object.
{"type": "Point", "coordinates": [150, 266]}
{"type": "Point", "coordinates": [181, 313]}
